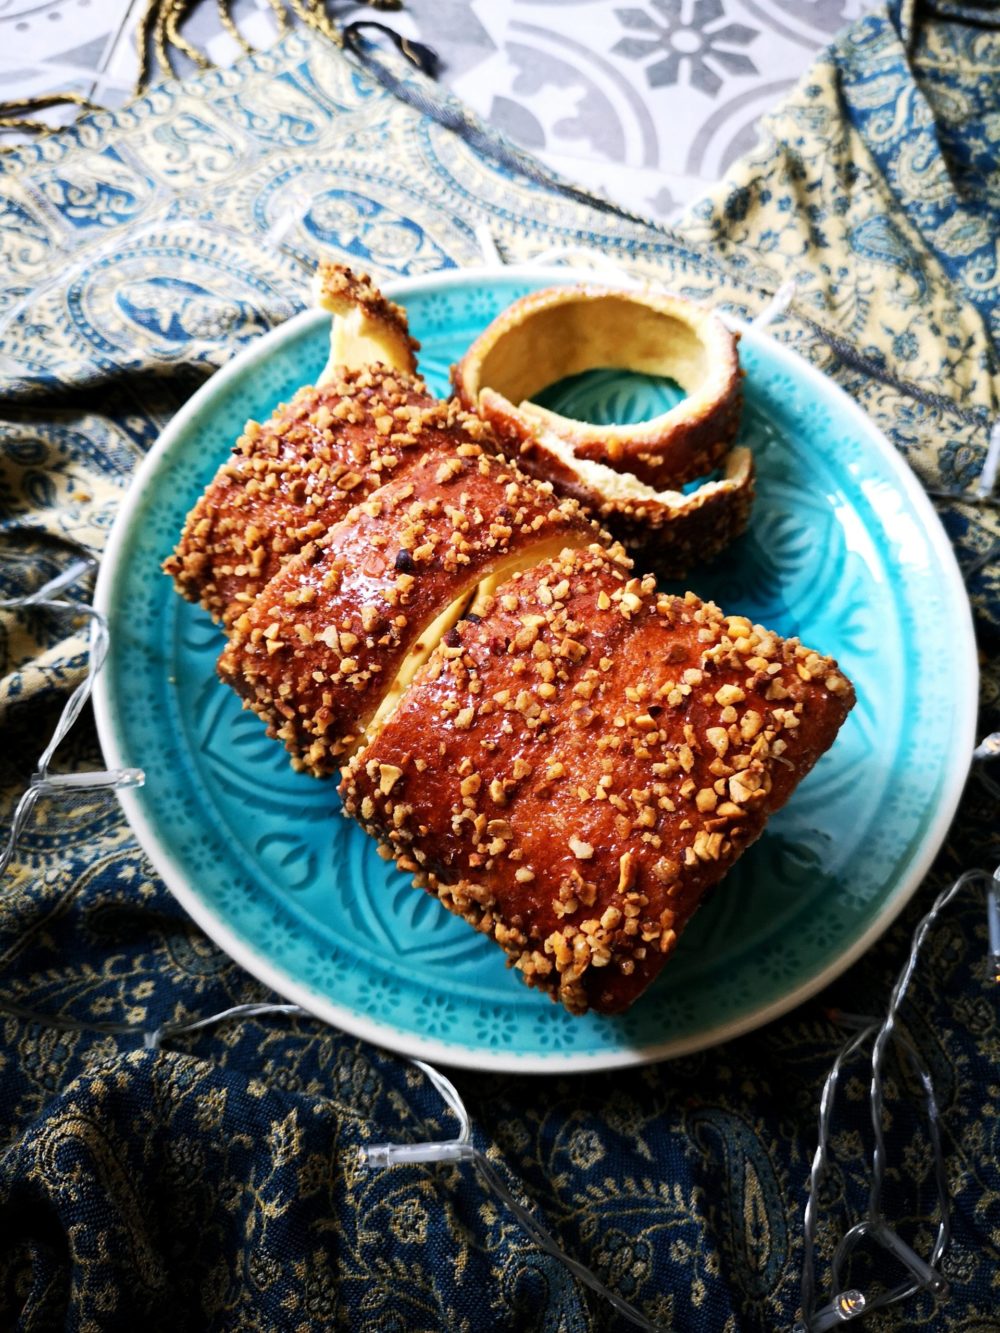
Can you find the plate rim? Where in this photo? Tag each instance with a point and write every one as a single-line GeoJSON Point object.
{"type": "Point", "coordinates": [456, 1055]}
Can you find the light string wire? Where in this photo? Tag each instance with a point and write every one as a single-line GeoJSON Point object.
{"type": "Point", "coordinates": [848, 1303]}
{"type": "Point", "coordinates": [379, 1155]}
{"type": "Point", "coordinates": [987, 749]}
{"type": "Point", "coordinates": [462, 1149]}
{"type": "Point", "coordinates": [42, 781]}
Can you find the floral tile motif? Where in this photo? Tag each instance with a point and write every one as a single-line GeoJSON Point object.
{"type": "Point", "coordinates": [698, 46]}
{"type": "Point", "coordinates": [645, 102]}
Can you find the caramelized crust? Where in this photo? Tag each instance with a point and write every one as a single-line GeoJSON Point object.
{"type": "Point", "coordinates": [289, 480]}
{"type": "Point", "coordinates": [628, 476]}
{"type": "Point", "coordinates": [573, 771]}
{"type": "Point", "coordinates": [669, 532]}
{"type": "Point", "coordinates": [322, 645]}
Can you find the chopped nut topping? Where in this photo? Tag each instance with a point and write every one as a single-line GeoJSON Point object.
{"type": "Point", "coordinates": [719, 738]}
{"type": "Point", "coordinates": [750, 725]}
{"type": "Point", "coordinates": [706, 800]}
{"type": "Point", "coordinates": [729, 694]}
{"type": "Point", "coordinates": [665, 871]}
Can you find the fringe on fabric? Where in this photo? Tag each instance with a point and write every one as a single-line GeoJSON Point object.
{"type": "Point", "coordinates": [158, 37]}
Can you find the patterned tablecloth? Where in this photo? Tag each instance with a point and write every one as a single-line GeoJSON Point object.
{"type": "Point", "coordinates": [214, 1185]}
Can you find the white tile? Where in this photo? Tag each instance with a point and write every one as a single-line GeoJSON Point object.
{"type": "Point", "coordinates": [648, 101]}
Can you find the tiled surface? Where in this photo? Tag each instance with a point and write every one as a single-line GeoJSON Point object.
{"type": "Point", "coordinates": [647, 101]}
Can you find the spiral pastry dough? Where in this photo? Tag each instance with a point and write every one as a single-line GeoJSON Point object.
{"type": "Point", "coordinates": [628, 476]}
{"type": "Point", "coordinates": [565, 756]}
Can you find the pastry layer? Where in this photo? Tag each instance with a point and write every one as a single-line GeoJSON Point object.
{"type": "Point", "coordinates": [666, 530]}
{"type": "Point", "coordinates": [572, 771]}
{"type": "Point", "coordinates": [562, 331]}
{"type": "Point", "coordinates": [366, 328]}
{"type": "Point", "coordinates": [355, 612]}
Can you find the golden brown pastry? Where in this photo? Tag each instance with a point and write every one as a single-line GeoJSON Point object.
{"type": "Point", "coordinates": [563, 331]}
{"type": "Point", "coordinates": [628, 476]}
{"type": "Point", "coordinates": [289, 480]}
{"type": "Point", "coordinates": [572, 765]}
{"type": "Point", "coordinates": [666, 530]}
{"type": "Point", "coordinates": [366, 327]}
{"type": "Point", "coordinates": [344, 624]}
{"type": "Point", "coordinates": [573, 770]}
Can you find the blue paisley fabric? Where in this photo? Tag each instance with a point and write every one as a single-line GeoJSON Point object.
{"type": "Point", "coordinates": [215, 1185]}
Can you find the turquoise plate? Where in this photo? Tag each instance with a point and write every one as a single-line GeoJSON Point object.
{"type": "Point", "coordinates": [844, 550]}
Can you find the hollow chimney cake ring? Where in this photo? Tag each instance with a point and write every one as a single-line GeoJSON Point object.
{"type": "Point", "coordinates": [629, 476]}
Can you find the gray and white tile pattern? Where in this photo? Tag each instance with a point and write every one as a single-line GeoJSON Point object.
{"type": "Point", "coordinates": [646, 100]}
